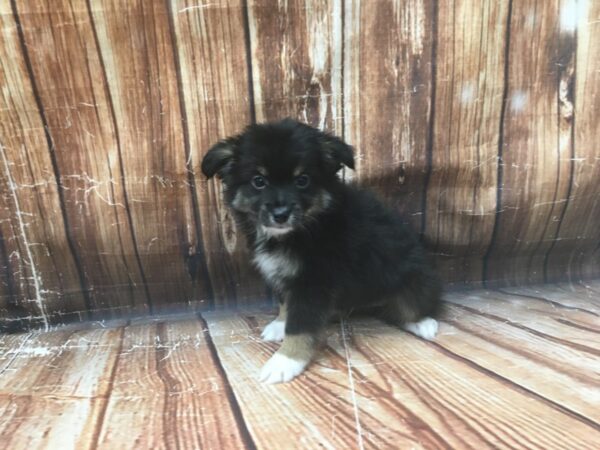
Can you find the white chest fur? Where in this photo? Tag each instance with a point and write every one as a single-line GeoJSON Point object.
{"type": "Point", "coordinates": [276, 265]}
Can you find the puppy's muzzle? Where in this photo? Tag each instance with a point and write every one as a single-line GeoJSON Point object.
{"type": "Point", "coordinates": [281, 214]}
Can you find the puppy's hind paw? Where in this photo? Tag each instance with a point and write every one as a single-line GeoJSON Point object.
{"type": "Point", "coordinates": [274, 332]}
{"type": "Point", "coordinates": [426, 328]}
{"type": "Point", "coordinates": [281, 369]}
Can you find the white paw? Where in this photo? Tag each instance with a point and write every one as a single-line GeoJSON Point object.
{"type": "Point", "coordinates": [425, 328]}
{"type": "Point", "coordinates": [274, 332]}
{"type": "Point", "coordinates": [281, 369]}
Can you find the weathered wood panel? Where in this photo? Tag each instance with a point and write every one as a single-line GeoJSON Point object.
{"type": "Point", "coordinates": [461, 193]}
{"type": "Point", "coordinates": [168, 391]}
{"type": "Point", "coordinates": [582, 297]}
{"type": "Point", "coordinates": [296, 56]}
{"type": "Point", "coordinates": [405, 392]}
{"type": "Point", "coordinates": [69, 84]}
{"type": "Point", "coordinates": [9, 310]}
{"type": "Point", "coordinates": [477, 120]}
{"type": "Point", "coordinates": [53, 389]}
{"type": "Point", "coordinates": [144, 99]}
{"type": "Point", "coordinates": [39, 276]}
{"type": "Point", "coordinates": [516, 355]}
{"type": "Point", "coordinates": [537, 319]}
{"type": "Point", "coordinates": [576, 248]}
{"type": "Point", "coordinates": [9, 343]}
{"type": "Point", "coordinates": [537, 145]}
{"type": "Point", "coordinates": [213, 81]}
{"type": "Point", "coordinates": [416, 378]}
{"type": "Point", "coordinates": [314, 413]}
{"type": "Point", "coordinates": [389, 62]}
{"type": "Point", "coordinates": [521, 383]}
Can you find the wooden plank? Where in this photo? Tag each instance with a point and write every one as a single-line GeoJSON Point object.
{"type": "Point", "coordinates": [54, 391]}
{"type": "Point", "coordinates": [537, 142]}
{"type": "Point", "coordinates": [11, 314]}
{"type": "Point", "coordinates": [536, 317]}
{"type": "Point", "coordinates": [148, 125]}
{"type": "Point", "coordinates": [315, 411]}
{"type": "Point", "coordinates": [490, 380]}
{"type": "Point", "coordinates": [558, 372]}
{"type": "Point", "coordinates": [9, 345]}
{"type": "Point", "coordinates": [69, 86]}
{"type": "Point", "coordinates": [462, 190]}
{"type": "Point", "coordinates": [213, 67]}
{"type": "Point", "coordinates": [578, 297]}
{"type": "Point", "coordinates": [389, 62]}
{"type": "Point", "coordinates": [467, 406]}
{"type": "Point", "coordinates": [299, 73]}
{"type": "Point", "coordinates": [404, 392]}
{"type": "Point", "coordinates": [39, 273]}
{"type": "Point", "coordinates": [575, 251]}
{"type": "Point", "coordinates": [170, 391]}
{"type": "Point", "coordinates": [101, 208]}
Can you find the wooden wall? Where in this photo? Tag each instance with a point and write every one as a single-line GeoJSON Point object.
{"type": "Point", "coordinates": [478, 119]}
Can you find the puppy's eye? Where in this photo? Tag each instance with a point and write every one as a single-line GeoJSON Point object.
{"type": "Point", "coordinates": [302, 181]}
{"type": "Point", "coordinates": [259, 182]}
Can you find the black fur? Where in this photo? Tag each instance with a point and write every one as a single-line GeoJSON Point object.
{"type": "Point", "coordinates": [345, 250]}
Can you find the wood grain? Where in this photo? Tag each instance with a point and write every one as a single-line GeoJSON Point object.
{"type": "Point", "coordinates": [511, 369]}
{"type": "Point", "coordinates": [213, 69]}
{"type": "Point", "coordinates": [575, 250]}
{"type": "Point", "coordinates": [143, 94]}
{"type": "Point", "coordinates": [459, 402]}
{"type": "Point", "coordinates": [8, 300]}
{"type": "Point", "coordinates": [169, 392]}
{"type": "Point", "coordinates": [9, 345]}
{"type": "Point", "coordinates": [461, 193]}
{"type": "Point", "coordinates": [537, 319]}
{"type": "Point", "coordinates": [299, 73]}
{"type": "Point", "coordinates": [53, 391]}
{"type": "Point", "coordinates": [313, 413]}
{"type": "Point", "coordinates": [39, 275]}
{"type": "Point", "coordinates": [70, 87]}
{"type": "Point", "coordinates": [406, 392]}
{"type": "Point", "coordinates": [388, 94]}
{"type": "Point", "coordinates": [584, 296]}
{"type": "Point", "coordinates": [477, 120]}
{"type": "Point", "coordinates": [537, 142]}
{"type": "Point", "coordinates": [522, 355]}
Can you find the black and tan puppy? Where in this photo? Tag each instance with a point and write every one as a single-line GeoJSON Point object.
{"type": "Point", "coordinates": [323, 246]}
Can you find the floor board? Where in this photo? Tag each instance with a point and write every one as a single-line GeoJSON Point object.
{"type": "Point", "coordinates": [510, 368]}
{"type": "Point", "coordinates": [168, 390]}
{"type": "Point", "coordinates": [54, 387]}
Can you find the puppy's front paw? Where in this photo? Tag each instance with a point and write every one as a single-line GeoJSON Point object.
{"type": "Point", "coordinates": [281, 369]}
{"type": "Point", "coordinates": [274, 332]}
{"type": "Point", "coordinates": [425, 328]}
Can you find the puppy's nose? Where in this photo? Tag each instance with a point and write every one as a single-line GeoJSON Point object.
{"type": "Point", "coordinates": [281, 214]}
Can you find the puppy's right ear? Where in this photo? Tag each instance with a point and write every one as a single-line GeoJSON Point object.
{"type": "Point", "coordinates": [337, 152]}
{"type": "Point", "coordinates": [219, 159]}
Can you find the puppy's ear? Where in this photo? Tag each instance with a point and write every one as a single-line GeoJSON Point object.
{"type": "Point", "coordinates": [337, 152]}
{"type": "Point", "coordinates": [219, 158]}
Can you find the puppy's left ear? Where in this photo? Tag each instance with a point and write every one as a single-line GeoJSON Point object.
{"type": "Point", "coordinates": [219, 158]}
{"type": "Point", "coordinates": [337, 152]}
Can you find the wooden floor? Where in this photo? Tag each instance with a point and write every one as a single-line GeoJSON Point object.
{"type": "Point", "coordinates": [516, 368]}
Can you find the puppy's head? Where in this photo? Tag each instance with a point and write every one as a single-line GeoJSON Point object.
{"type": "Point", "coordinates": [279, 175]}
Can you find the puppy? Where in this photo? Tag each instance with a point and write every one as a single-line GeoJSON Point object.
{"type": "Point", "coordinates": [323, 246]}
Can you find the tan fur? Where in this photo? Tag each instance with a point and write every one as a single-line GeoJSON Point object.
{"type": "Point", "coordinates": [300, 347]}
{"type": "Point", "coordinates": [282, 312]}
{"type": "Point", "coordinates": [241, 203]}
{"type": "Point", "coordinates": [321, 202]}
{"type": "Point", "coordinates": [397, 310]}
